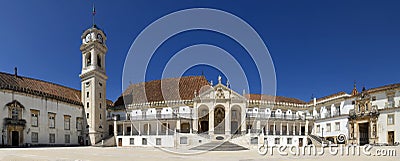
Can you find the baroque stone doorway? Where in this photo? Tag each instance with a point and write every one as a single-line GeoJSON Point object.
{"type": "Point", "coordinates": [364, 131]}
{"type": "Point", "coordinates": [15, 138]}
{"type": "Point", "coordinates": [219, 120]}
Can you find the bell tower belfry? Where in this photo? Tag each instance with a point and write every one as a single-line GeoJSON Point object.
{"type": "Point", "coordinates": [93, 84]}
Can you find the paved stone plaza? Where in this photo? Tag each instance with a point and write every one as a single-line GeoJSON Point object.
{"type": "Point", "coordinates": [152, 154]}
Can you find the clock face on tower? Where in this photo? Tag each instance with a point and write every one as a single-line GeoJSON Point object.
{"type": "Point", "coordinates": [87, 38]}
{"type": "Point", "coordinates": [100, 38]}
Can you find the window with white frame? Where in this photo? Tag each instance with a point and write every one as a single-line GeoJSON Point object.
{"type": "Point", "coordinates": [289, 140]}
{"type": "Point", "coordinates": [52, 138]}
{"type": "Point", "coordinates": [318, 128]}
{"type": "Point", "coordinates": [328, 127]}
{"type": "Point", "coordinates": [52, 120]}
{"type": "Point", "coordinates": [277, 140]}
{"type": "Point", "coordinates": [35, 137]}
{"type": "Point", "coordinates": [34, 118]}
{"type": "Point", "coordinates": [132, 141]}
{"type": "Point", "coordinates": [144, 141]}
{"type": "Point", "coordinates": [67, 122]}
{"type": "Point", "coordinates": [337, 126]}
{"type": "Point", "coordinates": [15, 113]}
{"type": "Point", "coordinates": [390, 119]}
{"type": "Point", "coordinates": [390, 103]}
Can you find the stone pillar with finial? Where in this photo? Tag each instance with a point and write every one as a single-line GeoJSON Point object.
{"type": "Point", "coordinates": [15, 71]}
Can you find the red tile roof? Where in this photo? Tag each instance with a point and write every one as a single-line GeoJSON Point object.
{"type": "Point", "coordinates": [152, 91]}
{"type": "Point", "coordinates": [382, 88]}
{"type": "Point", "coordinates": [330, 96]}
{"type": "Point", "coordinates": [273, 98]}
{"type": "Point", "coordinates": [40, 88]}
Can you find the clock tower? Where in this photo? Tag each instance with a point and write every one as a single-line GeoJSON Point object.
{"type": "Point", "coordinates": [93, 84]}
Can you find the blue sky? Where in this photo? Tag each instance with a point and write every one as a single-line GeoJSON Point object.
{"type": "Point", "coordinates": [318, 48]}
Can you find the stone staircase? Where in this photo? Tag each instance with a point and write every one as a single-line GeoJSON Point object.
{"type": "Point", "coordinates": [107, 142]}
{"type": "Point", "coordinates": [219, 146]}
{"type": "Point", "coordinates": [317, 141]}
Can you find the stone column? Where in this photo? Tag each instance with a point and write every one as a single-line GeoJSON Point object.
{"type": "Point", "coordinates": [294, 128]}
{"type": "Point", "coordinates": [115, 127]}
{"type": "Point", "coordinates": [148, 128]}
{"type": "Point", "coordinates": [190, 127]}
{"type": "Point", "coordinates": [258, 126]}
{"type": "Point", "coordinates": [157, 128]}
{"type": "Point", "coordinates": [211, 121]}
{"type": "Point", "coordinates": [166, 129]}
{"type": "Point", "coordinates": [300, 128]}
{"type": "Point", "coordinates": [227, 121]}
{"type": "Point", "coordinates": [287, 128]}
{"type": "Point", "coordinates": [195, 121]}
{"type": "Point", "coordinates": [267, 130]}
{"type": "Point", "coordinates": [274, 128]}
{"type": "Point", "coordinates": [140, 132]}
{"type": "Point", "coordinates": [356, 133]}
{"type": "Point", "coordinates": [123, 129]}
{"type": "Point", "coordinates": [178, 125]}
{"type": "Point", "coordinates": [93, 57]}
{"type": "Point", "coordinates": [243, 120]}
{"type": "Point", "coordinates": [131, 129]}
{"type": "Point", "coordinates": [306, 131]}
{"type": "Point", "coordinates": [281, 129]}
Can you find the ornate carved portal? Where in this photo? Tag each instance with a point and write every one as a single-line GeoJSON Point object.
{"type": "Point", "coordinates": [219, 120]}
{"type": "Point", "coordinates": [14, 124]}
{"type": "Point", "coordinates": [363, 121]}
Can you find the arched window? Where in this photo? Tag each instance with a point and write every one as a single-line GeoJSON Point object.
{"type": "Point", "coordinates": [88, 60]}
{"type": "Point", "coordinates": [14, 113]}
{"type": "Point", "coordinates": [15, 110]}
{"type": "Point", "coordinates": [98, 61]}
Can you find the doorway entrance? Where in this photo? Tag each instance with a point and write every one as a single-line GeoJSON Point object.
{"type": "Point", "coordinates": [110, 130]}
{"type": "Point", "coordinates": [300, 142]}
{"type": "Point", "coordinates": [219, 120]}
{"type": "Point", "coordinates": [15, 138]}
{"type": "Point", "coordinates": [363, 131]}
{"type": "Point", "coordinates": [235, 127]}
{"type": "Point", "coordinates": [119, 141]}
{"type": "Point", "coordinates": [391, 137]}
{"type": "Point", "coordinates": [203, 127]}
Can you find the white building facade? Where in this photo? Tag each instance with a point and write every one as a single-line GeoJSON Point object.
{"type": "Point", "coordinates": [40, 113]}
{"type": "Point", "coordinates": [216, 113]}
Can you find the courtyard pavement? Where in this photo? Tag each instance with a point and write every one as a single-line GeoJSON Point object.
{"type": "Point", "coordinates": [154, 154]}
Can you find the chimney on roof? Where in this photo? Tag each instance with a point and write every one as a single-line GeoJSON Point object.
{"type": "Point", "coordinates": [15, 72]}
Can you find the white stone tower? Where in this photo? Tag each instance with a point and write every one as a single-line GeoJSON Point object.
{"type": "Point", "coordinates": [93, 84]}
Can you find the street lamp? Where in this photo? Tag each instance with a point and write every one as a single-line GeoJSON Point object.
{"type": "Point", "coordinates": [322, 132]}
{"type": "Point", "coordinates": [2, 137]}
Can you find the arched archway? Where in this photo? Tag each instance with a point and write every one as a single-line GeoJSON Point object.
{"type": "Point", "coordinates": [219, 120]}
{"type": "Point", "coordinates": [236, 120]}
{"type": "Point", "coordinates": [203, 114]}
{"type": "Point", "coordinates": [88, 59]}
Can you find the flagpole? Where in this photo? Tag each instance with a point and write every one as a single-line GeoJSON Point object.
{"type": "Point", "coordinates": [93, 15]}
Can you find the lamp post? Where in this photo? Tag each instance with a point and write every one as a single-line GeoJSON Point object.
{"type": "Point", "coordinates": [322, 133]}
{"type": "Point", "coordinates": [2, 137]}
